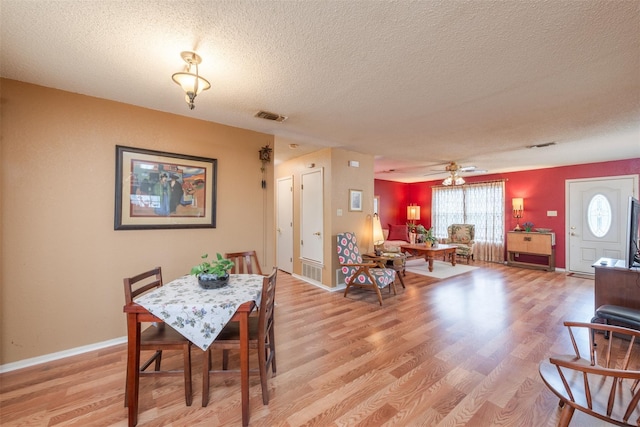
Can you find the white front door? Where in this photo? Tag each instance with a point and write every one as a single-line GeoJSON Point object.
{"type": "Point", "coordinates": [284, 224]}
{"type": "Point", "coordinates": [596, 218]}
{"type": "Point", "coordinates": [311, 216]}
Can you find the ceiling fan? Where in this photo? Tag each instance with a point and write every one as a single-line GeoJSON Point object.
{"type": "Point", "coordinates": [455, 170]}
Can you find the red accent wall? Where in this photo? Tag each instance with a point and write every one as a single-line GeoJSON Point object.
{"type": "Point", "coordinates": [542, 189]}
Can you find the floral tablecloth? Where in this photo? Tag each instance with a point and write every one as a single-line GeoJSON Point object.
{"type": "Point", "coordinates": [200, 314]}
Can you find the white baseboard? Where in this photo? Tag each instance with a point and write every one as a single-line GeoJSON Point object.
{"type": "Point", "coordinates": [60, 355]}
{"type": "Point", "coordinates": [340, 287]}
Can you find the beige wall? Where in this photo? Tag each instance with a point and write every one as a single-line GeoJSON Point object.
{"type": "Point", "coordinates": [62, 262]}
{"type": "Point", "coordinates": [339, 178]}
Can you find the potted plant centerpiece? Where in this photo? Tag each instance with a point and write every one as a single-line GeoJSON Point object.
{"type": "Point", "coordinates": [427, 236]}
{"type": "Point", "coordinates": [214, 274]}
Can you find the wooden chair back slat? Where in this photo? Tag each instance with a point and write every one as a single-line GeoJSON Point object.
{"type": "Point", "coordinates": [245, 262]}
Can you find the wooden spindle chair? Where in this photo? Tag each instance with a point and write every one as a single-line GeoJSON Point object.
{"type": "Point", "coordinates": [607, 388]}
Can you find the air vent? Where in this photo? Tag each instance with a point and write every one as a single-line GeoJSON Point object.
{"type": "Point", "coordinates": [546, 144]}
{"type": "Point", "coordinates": [270, 116]}
{"type": "Point", "coordinates": [312, 272]}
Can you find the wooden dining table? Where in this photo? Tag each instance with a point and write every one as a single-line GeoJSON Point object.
{"type": "Point", "coordinates": [206, 310]}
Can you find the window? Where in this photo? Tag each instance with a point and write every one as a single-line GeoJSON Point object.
{"type": "Point", "coordinates": [479, 204]}
{"type": "Point", "coordinates": [599, 215]}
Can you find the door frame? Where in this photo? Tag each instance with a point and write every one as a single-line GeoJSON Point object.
{"type": "Point", "coordinates": [567, 225]}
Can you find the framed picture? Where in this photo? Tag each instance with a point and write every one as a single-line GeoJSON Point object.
{"type": "Point", "coordinates": [155, 190]}
{"type": "Point", "coordinates": [355, 200]}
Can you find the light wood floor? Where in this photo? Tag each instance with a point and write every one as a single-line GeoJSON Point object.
{"type": "Point", "coordinates": [455, 352]}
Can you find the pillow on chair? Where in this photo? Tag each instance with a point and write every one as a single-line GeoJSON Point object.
{"type": "Point", "coordinates": [398, 232]}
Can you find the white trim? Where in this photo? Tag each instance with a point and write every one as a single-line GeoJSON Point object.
{"type": "Point", "coordinates": [60, 355]}
{"type": "Point", "coordinates": [319, 285]}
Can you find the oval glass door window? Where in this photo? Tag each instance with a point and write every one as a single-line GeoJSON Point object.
{"type": "Point", "coordinates": [599, 215]}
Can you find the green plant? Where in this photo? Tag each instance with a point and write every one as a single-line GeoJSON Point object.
{"type": "Point", "coordinates": [428, 236]}
{"type": "Point", "coordinates": [218, 267]}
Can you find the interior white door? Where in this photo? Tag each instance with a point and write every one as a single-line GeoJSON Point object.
{"type": "Point", "coordinates": [284, 224]}
{"type": "Point", "coordinates": [596, 218]}
{"type": "Point", "coordinates": [311, 216]}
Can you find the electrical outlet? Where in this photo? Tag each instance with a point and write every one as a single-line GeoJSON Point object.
{"type": "Point", "coordinates": [552, 213]}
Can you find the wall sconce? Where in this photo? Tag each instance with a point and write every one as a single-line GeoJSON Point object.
{"type": "Point", "coordinates": [378, 236]}
{"type": "Point", "coordinates": [518, 209]}
{"type": "Point", "coordinates": [192, 84]}
{"type": "Point", "coordinates": [413, 213]}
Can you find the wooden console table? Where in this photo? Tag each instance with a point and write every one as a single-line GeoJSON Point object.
{"type": "Point", "coordinates": [616, 285]}
{"type": "Point", "coordinates": [540, 244]}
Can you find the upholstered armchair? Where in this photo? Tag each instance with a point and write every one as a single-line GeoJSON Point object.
{"type": "Point", "coordinates": [362, 274]}
{"type": "Point", "coordinates": [461, 236]}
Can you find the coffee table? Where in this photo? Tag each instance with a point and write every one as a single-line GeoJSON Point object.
{"type": "Point", "coordinates": [430, 252]}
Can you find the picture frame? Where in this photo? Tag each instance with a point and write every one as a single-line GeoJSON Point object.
{"type": "Point", "coordinates": [355, 200]}
{"type": "Point", "coordinates": [160, 190]}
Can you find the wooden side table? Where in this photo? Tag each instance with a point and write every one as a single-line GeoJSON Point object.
{"type": "Point", "coordinates": [390, 260]}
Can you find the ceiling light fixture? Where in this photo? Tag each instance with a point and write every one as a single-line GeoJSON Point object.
{"type": "Point", "coordinates": [454, 179]}
{"type": "Point", "coordinates": [191, 83]}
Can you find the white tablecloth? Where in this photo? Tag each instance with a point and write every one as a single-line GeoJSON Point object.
{"type": "Point", "coordinates": [200, 314]}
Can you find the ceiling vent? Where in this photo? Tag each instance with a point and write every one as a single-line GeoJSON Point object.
{"type": "Point", "coordinates": [270, 116]}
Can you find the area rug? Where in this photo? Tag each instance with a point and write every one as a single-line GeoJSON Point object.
{"type": "Point", "coordinates": [441, 269]}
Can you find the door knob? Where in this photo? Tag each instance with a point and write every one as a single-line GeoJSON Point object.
{"type": "Point", "coordinates": [317, 233]}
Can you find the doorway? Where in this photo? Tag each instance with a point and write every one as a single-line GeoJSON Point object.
{"type": "Point", "coordinates": [595, 221]}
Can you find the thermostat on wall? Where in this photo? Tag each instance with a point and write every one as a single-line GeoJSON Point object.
{"type": "Point", "coordinates": [354, 163]}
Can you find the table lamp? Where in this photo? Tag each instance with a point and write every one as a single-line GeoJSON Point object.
{"type": "Point", "coordinates": [378, 236]}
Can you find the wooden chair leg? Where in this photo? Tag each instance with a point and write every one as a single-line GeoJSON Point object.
{"type": "Point", "coordinates": [272, 350]}
{"type": "Point", "coordinates": [346, 290]}
{"type": "Point", "coordinates": [188, 392]}
{"type": "Point", "coordinates": [262, 364]}
{"type": "Point", "coordinates": [225, 359]}
{"type": "Point", "coordinates": [379, 293]}
{"type": "Point", "coordinates": [206, 366]}
{"type": "Point", "coordinates": [566, 415]}
{"type": "Point", "coordinates": [158, 361]}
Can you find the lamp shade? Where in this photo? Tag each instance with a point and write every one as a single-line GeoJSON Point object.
{"type": "Point", "coordinates": [413, 212]}
{"type": "Point", "coordinates": [518, 204]}
{"type": "Point", "coordinates": [188, 82]}
{"type": "Point", "coordinates": [378, 236]}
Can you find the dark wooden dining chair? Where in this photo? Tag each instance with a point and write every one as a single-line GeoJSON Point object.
{"type": "Point", "coordinates": [158, 337]}
{"type": "Point", "coordinates": [245, 262]}
{"type": "Point", "coordinates": [606, 385]}
{"type": "Point", "coordinates": [261, 337]}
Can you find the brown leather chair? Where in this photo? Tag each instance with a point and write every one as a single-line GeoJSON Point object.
{"type": "Point", "coordinates": [158, 337]}
{"type": "Point", "coordinates": [261, 337]}
{"type": "Point", "coordinates": [245, 262]}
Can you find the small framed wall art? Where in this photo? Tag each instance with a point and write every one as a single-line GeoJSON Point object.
{"type": "Point", "coordinates": [355, 200]}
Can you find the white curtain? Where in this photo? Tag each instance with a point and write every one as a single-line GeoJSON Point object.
{"type": "Point", "coordinates": [480, 204]}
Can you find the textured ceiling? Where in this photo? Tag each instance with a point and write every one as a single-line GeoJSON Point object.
{"type": "Point", "coordinates": [417, 84]}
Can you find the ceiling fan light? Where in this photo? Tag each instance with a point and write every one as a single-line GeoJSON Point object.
{"type": "Point", "coordinates": [459, 180]}
{"type": "Point", "coordinates": [447, 181]}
